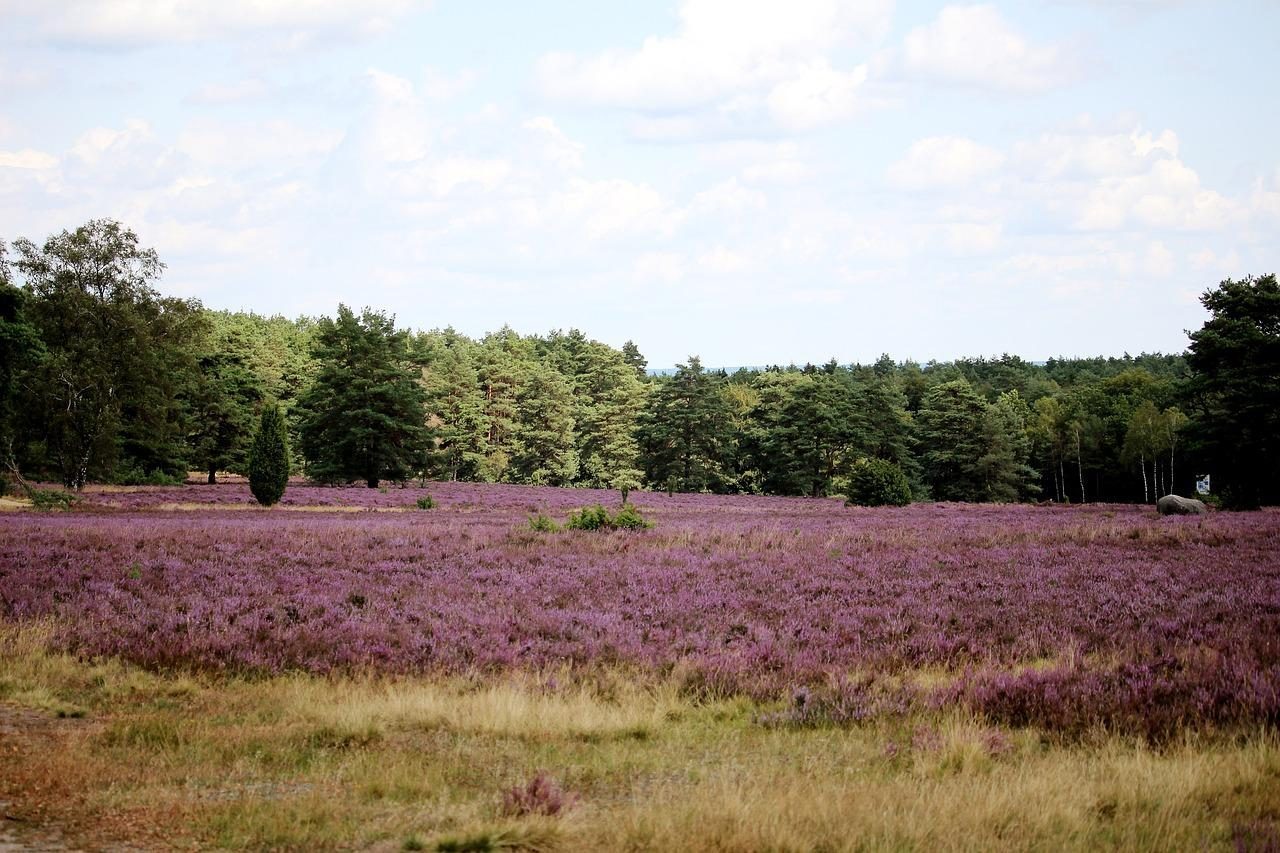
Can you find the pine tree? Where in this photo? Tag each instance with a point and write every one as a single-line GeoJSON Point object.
{"type": "Point", "coordinates": [1235, 390]}
{"type": "Point", "coordinates": [363, 418]}
{"type": "Point", "coordinates": [269, 457]}
{"type": "Point", "coordinates": [953, 438]}
{"type": "Point", "coordinates": [686, 432]}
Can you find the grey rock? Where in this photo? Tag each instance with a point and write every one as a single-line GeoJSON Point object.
{"type": "Point", "coordinates": [1177, 505]}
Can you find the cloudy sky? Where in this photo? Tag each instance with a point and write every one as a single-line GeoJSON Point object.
{"type": "Point", "coordinates": [753, 181]}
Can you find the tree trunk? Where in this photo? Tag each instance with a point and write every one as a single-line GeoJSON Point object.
{"type": "Point", "coordinates": [1080, 469]}
{"type": "Point", "coordinates": [1146, 498]}
{"type": "Point", "coordinates": [213, 476]}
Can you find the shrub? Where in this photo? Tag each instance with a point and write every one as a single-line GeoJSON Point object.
{"type": "Point", "coordinates": [426, 502]}
{"type": "Point", "coordinates": [594, 518]}
{"type": "Point", "coordinates": [589, 518]}
{"type": "Point", "coordinates": [540, 796]}
{"type": "Point", "coordinates": [629, 518]}
{"type": "Point", "coordinates": [877, 482]}
{"type": "Point", "coordinates": [135, 476]}
{"type": "Point", "coordinates": [542, 524]}
{"type": "Point", "coordinates": [269, 458]}
{"type": "Point", "coordinates": [598, 518]}
{"type": "Point", "coordinates": [46, 500]}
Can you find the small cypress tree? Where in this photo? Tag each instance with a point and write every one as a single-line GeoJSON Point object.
{"type": "Point", "coordinates": [269, 457]}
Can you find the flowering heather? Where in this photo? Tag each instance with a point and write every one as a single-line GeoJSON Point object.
{"type": "Point", "coordinates": [1127, 615]}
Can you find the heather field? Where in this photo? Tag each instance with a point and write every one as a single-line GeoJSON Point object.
{"type": "Point", "coordinates": [179, 668]}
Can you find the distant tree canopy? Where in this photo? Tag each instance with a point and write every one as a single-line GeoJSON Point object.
{"type": "Point", "coordinates": [101, 377]}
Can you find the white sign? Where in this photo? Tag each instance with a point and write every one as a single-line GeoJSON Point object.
{"type": "Point", "coordinates": [1202, 484]}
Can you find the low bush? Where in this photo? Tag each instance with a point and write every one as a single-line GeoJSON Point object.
{"type": "Point", "coordinates": [629, 518]}
{"type": "Point", "coordinates": [594, 517]}
{"type": "Point", "coordinates": [539, 796]}
{"type": "Point", "coordinates": [134, 476]}
{"type": "Point", "coordinates": [877, 482]}
{"type": "Point", "coordinates": [542, 524]}
{"type": "Point", "coordinates": [426, 502]}
{"type": "Point", "coordinates": [598, 518]}
{"type": "Point", "coordinates": [589, 518]}
{"type": "Point", "coordinates": [47, 500]}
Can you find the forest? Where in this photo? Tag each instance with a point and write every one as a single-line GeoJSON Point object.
{"type": "Point", "coordinates": [105, 379]}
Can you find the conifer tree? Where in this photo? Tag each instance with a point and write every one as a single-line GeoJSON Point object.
{"type": "Point", "coordinates": [269, 457]}
{"type": "Point", "coordinates": [363, 418]}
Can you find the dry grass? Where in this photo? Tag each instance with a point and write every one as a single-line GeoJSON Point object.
{"type": "Point", "coordinates": [303, 763]}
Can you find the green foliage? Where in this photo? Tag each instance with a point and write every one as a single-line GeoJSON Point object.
{"type": "Point", "coordinates": [589, 518]}
{"type": "Point", "coordinates": [597, 518]}
{"type": "Point", "coordinates": [363, 416]}
{"type": "Point", "coordinates": [226, 391]}
{"type": "Point", "coordinates": [134, 476]}
{"type": "Point", "coordinates": [1235, 390]}
{"type": "Point", "coordinates": [108, 387]}
{"type": "Point", "coordinates": [103, 378]}
{"type": "Point", "coordinates": [877, 482]}
{"type": "Point", "coordinates": [426, 502]}
{"type": "Point", "coordinates": [686, 434]}
{"type": "Point", "coordinates": [543, 524]}
{"type": "Point", "coordinates": [269, 457]}
{"type": "Point", "coordinates": [952, 429]}
{"type": "Point", "coordinates": [629, 518]}
{"type": "Point", "coordinates": [47, 500]}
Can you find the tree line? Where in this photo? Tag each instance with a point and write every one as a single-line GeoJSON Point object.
{"type": "Point", "coordinates": [103, 378]}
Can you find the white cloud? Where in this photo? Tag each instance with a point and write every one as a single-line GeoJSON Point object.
{"type": "Point", "coordinates": [1169, 196]}
{"type": "Point", "coordinates": [817, 94]}
{"type": "Point", "coordinates": [728, 199]}
{"type": "Point", "coordinates": [739, 61]}
{"type": "Point", "coordinates": [723, 261]}
{"type": "Point", "coordinates": [439, 86]}
{"type": "Point", "coordinates": [130, 23]}
{"type": "Point", "coordinates": [398, 130]}
{"type": "Point", "coordinates": [239, 145]}
{"type": "Point", "coordinates": [606, 208]}
{"type": "Point", "coordinates": [969, 238]}
{"type": "Point", "coordinates": [553, 144]}
{"type": "Point", "coordinates": [665, 267]}
{"type": "Point", "coordinates": [440, 178]}
{"type": "Point", "coordinates": [975, 46]}
{"type": "Point", "coordinates": [943, 162]}
{"type": "Point", "coordinates": [228, 93]}
{"type": "Point", "coordinates": [1059, 156]}
{"type": "Point", "coordinates": [27, 158]}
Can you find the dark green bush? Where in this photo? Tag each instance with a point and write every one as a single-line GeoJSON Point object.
{"type": "Point", "coordinates": [269, 458]}
{"type": "Point", "coordinates": [589, 518]}
{"type": "Point", "coordinates": [629, 518]}
{"type": "Point", "coordinates": [135, 476]}
{"type": "Point", "coordinates": [877, 482]}
{"type": "Point", "coordinates": [46, 500]}
{"type": "Point", "coordinates": [598, 518]}
{"type": "Point", "coordinates": [426, 502]}
{"type": "Point", "coordinates": [542, 524]}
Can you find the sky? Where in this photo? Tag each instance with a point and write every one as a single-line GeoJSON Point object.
{"type": "Point", "coordinates": [753, 182]}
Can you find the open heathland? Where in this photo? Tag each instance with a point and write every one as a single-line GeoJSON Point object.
{"type": "Point", "coordinates": [179, 667]}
